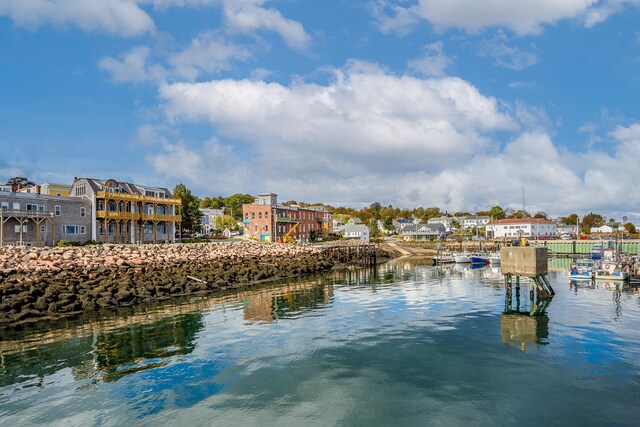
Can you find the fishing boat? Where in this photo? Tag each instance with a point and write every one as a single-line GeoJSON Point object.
{"type": "Point", "coordinates": [597, 251]}
{"type": "Point", "coordinates": [479, 259]}
{"type": "Point", "coordinates": [610, 271]}
{"type": "Point", "coordinates": [582, 270]}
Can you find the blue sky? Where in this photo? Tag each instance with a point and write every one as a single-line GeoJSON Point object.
{"type": "Point", "coordinates": [458, 104]}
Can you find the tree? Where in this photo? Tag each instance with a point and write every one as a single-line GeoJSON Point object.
{"type": "Point", "coordinates": [497, 212]}
{"type": "Point", "coordinates": [541, 215]}
{"type": "Point", "coordinates": [191, 215]}
{"type": "Point", "coordinates": [225, 221]}
{"type": "Point", "coordinates": [19, 182]}
{"type": "Point", "coordinates": [212, 202]}
{"type": "Point", "coordinates": [374, 231]}
{"type": "Point", "coordinates": [571, 219]}
{"type": "Point", "coordinates": [630, 228]}
{"type": "Point", "coordinates": [235, 202]}
{"type": "Point", "coordinates": [592, 220]}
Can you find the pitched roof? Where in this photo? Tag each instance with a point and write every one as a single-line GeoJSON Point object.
{"type": "Point", "coordinates": [522, 221]}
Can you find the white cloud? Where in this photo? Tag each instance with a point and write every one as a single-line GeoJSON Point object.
{"type": "Point", "coordinates": [117, 17]}
{"type": "Point", "coordinates": [505, 55]}
{"type": "Point", "coordinates": [369, 135]}
{"type": "Point", "coordinates": [132, 67]}
{"type": "Point", "coordinates": [393, 18]}
{"type": "Point", "coordinates": [364, 114]}
{"type": "Point", "coordinates": [213, 166]}
{"type": "Point", "coordinates": [629, 134]}
{"type": "Point", "coordinates": [246, 16]}
{"type": "Point", "coordinates": [208, 53]}
{"type": "Point", "coordinates": [522, 17]}
{"type": "Point", "coordinates": [433, 63]}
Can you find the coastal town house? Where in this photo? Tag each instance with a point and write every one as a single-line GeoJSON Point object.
{"type": "Point", "coordinates": [122, 212]}
{"type": "Point", "coordinates": [31, 219]}
{"type": "Point", "coordinates": [209, 219]}
{"type": "Point", "coordinates": [355, 232]}
{"type": "Point", "coordinates": [447, 221]}
{"type": "Point", "coordinates": [531, 228]}
{"type": "Point", "coordinates": [475, 221]}
{"type": "Point", "coordinates": [422, 231]}
{"type": "Point", "coordinates": [267, 221]}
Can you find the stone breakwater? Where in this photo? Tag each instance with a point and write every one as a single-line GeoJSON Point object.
{"type": "Point", "coordinates": [45, 283]}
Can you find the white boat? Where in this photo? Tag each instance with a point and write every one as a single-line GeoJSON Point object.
{"type": "Point", "coordinates": [582, 270]}
{"type": "Point", "coordinates": [607, 270]}
{"type": "Point", "coordinates": [462, 258]}
{"type": "Point", "coordinates": [444, 258]}
{"type": "Point", "coordinates": [494, 258]}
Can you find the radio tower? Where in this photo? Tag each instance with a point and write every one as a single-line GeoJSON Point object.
{"type": "Point", "coordinates": [524, 204]}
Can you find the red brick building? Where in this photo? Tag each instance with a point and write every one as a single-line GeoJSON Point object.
{"type": "Point", "coordinates": [266, 221]}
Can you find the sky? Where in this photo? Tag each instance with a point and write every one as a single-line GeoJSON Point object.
{"type": "Point", "coordinates": [462, 104]}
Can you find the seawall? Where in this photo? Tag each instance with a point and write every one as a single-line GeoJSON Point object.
{"type": "Point", "coordinates": [45, 283]}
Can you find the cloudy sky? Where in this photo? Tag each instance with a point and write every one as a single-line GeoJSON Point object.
{"type": "Point", "coordinates": [459, 104]}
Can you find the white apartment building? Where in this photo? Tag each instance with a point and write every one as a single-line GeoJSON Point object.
{"type": "Point", "coordinates": [531, 228]}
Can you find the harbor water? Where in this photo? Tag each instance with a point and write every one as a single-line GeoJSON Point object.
{"type": "Point", "coordinates": [405, 343]}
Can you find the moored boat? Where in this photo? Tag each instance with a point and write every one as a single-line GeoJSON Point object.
{"type": "Point", "coordinates": [479, 259]}
{"type": "Point", "coordinates": [462, 258]}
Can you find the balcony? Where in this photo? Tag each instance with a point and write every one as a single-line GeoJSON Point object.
{"type": "Point", "coordinates": [25, 214]}
{"type": "Point", "coordinates": [132, 216]}
{"type": "Point", "coordinates": [136, 198]}
{"type": "Point", "coordinates": [285, 219]}
{"type": "Point", "coordinates": [161, 217]}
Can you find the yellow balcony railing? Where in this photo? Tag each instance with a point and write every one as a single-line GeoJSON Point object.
{"type": "Point", "coordinates": [136, 198]}
{"type": "Point", "coordinates": [161, 217]}
{"type": "Point", "coordinates": [133, 216]}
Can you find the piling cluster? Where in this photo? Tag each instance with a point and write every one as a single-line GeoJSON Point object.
{"type": "Point", "coordinates": [40, 283]}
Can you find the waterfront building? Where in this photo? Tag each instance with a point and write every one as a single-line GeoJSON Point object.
{"type": "Point", "coordinates": [447, 221]}
{"type": "Point", "coordinates": [605, 229]}
{"type": "Point", "coordinates": [267, 221]}
{"type": "Point", "coordinates": [475, 221]}
{"type": "Point", "coordinates": [123, 212]}
{"type": "Point", "coordinates": [423, 231]}
{"type": "Point", "coordinates": [209, 218]}
{"type": "Point", "coordinates": [522, 227]}
{"type": "Point", "coordinates": [400, 223]}
{"type": "Point", "coordinates": [31, 219]}
{"type": "Point", "coordinates": [355, 232]}
{"type": "Point", "coordinates": [48, 189]}
{"type": "Point", "coordinates": [327, 219]}
{"type": "Point", "coordinates": [568, 230]}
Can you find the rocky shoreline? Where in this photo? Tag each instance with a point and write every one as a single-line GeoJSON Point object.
{"type": "Point", "coordinates": [49, 283]}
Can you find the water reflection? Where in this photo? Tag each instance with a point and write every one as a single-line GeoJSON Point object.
{"type": "Point", "coordinates": [406, 344]}
{"type": "Point", "coordinates": [141, 338]}
{"type": "Point", "coordinates": [520, 327]}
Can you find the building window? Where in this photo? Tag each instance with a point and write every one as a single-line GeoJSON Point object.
{"type": "Point", "coordinates": [253, 215]}
{"type": "Point", "coordinates": [57, 210]}
{"type": "Point", "coordinates": [17, 228]}
{"type": "Point", "coordinates": [43, 228]}
{"type": "Point", "coordinates": [246, 215]}
{"type": "Point", "coordinates": [70, 229]}
{"type": "Point", "coordinates": [266, 215]}
{"type": "Point", "coordinates": [259, 215]}
{"type": "Point", "coordinates": [83, 212]}
{"type": "Point", "coordinates": [83, 230]}
{"type": "Point", "coordinates": [16, 206]}
{"type": "Point", "coordinates": [5, 205]}
{"type": "Point", "coordinates": [100, 205]}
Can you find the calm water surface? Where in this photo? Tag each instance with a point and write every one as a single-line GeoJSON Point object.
{"type": "Point", "coordinates": [406, 344]}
